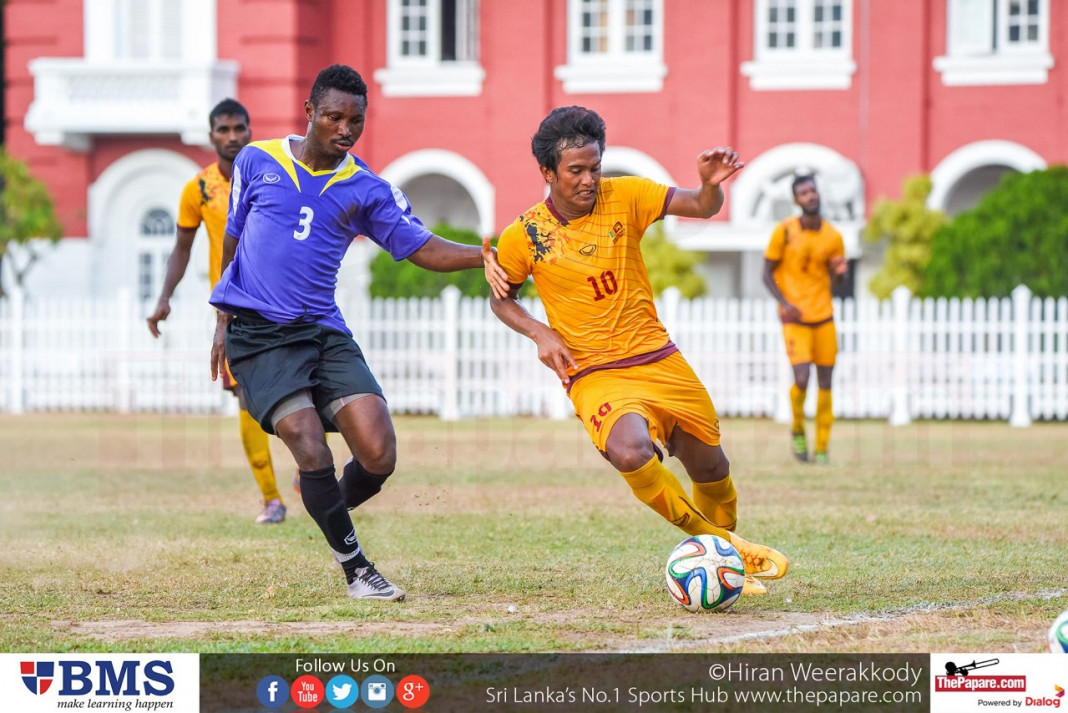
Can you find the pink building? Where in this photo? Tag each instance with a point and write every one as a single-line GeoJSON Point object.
{"type": "Point", "coordinates": [108, 101]}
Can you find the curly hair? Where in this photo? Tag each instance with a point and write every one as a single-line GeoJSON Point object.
{"type": "Point", "coordinates": [566, 127]}
{"type": "Point", "coordinates": [340, 77]}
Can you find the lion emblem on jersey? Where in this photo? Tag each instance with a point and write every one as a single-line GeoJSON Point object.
{"type": "Point", "coordinates": [542, 244]}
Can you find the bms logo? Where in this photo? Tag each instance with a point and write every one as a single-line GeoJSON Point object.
{"type": "Point", "coordinates": [99, 678]}
{"type": "Point", "coordinates": [37, 675]}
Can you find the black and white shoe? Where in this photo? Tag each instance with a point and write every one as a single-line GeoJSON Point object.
{"type": "Point", "coordinates": [369, 584]}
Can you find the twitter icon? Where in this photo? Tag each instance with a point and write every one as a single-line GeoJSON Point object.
{"type": "Point", "coordinates": [342, 691]}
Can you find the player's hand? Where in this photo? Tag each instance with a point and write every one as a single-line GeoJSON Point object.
{"type": "Point", "coordinates": [218, 346]}
{"type": "Point", "coordinates": [790, 313]}
{"type": "Point", "coordinates": [554, 353]}
{"type": "Point", "coordinates": [839, 265]}
{"type": "Point", "coordinates": [163, 310]}
{"type": "Point", "coordinates": [717, 165]}
{"type": "Point", "coordinates": [495, 274]}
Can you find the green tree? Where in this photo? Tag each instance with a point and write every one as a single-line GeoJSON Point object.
{"type": "Point", "coordinates": [908, 228]}
{"type": "Point", "coordinates": [1017, 234]}
{"type": "Point", "coordinates": [404, 279]}
{"type": "Point", "coordinates": [26, 214]}
{"type": "Point", "coordinates": [671, 266]}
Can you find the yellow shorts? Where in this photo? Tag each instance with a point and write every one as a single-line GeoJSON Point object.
{"type": "Point", "coordinates": [665, 393]}
{"type": "Point", "coordinates": [806, 344]}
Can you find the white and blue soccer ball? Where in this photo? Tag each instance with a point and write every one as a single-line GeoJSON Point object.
{"type": "Point", "coordinates": [705, 573]}
{"type": "Point", "coordinates": [1058, 634]}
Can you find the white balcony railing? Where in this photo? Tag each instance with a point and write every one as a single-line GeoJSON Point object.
{"type": "Point", "coordinates": [75, 99]}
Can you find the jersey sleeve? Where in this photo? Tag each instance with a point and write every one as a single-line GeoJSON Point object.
{"type": "Point", "coordinates": [189, 205]}
{"type": "Point", "coordinates": [648, 199]}
{"type": "Point", "coordinates": [837, 245]}
{"type": "Point", "coordinates": [388, 221]}
{"type": "Point", "coordinates": [513, 253]}
{"type": "Point", "coordinates": [778, 243]}
{"type": "Point", "coordinates": [240, 196]}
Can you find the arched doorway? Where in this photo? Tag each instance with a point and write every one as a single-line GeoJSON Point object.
{"type": "Point", "coordinates": [132, 211]}
{"type": "Point", "coordinates": [963, 177]}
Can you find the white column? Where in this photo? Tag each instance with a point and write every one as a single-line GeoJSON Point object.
{"type": "Point", "coordinates": [1021, 303]}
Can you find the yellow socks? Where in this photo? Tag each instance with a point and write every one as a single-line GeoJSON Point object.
{"type": "Point", "coordinates": [258, 451]}
{"type": "Point", "coordinates": [797, 406]}
{"type": "Point", "coordinates": [718, 501]}
{"type": "Point", "coordinates": [824, 419]}
{"type": "Point", "coordinates": [657, 487]}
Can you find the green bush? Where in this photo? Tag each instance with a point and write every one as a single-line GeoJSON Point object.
{"type": "Point", "coordinates": [404, 279]}
{"type": "Point", "coordinates": [908, 227]}
{"type": "Point", "coordinates": [1017, 234]}
{"type": "Point", "coordinates": [26, 214]}
{"type": "Point", "coordinates": [669, 265]}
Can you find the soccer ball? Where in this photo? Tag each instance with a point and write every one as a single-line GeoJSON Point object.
{"type": "Point", "coordinates": [1058, 634]}
{"type": "Point", "coordinates": [705, 573]}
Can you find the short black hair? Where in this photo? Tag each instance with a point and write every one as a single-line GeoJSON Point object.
{"type": "Point", "coordinates": [566, 127]}
{"type": "Point", "coordinates": [340, 77]}
{"type": "Point", "coordinates": [802, 178]}
{"type": "Point", "coordinates": [227, 107]}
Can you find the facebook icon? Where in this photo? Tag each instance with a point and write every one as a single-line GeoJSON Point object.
{"type": "Point", "coordinates": [273, 691]}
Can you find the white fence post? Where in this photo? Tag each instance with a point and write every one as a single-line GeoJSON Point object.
{"type": "Point", "coordinates": [124, 383]}
{"type": "Point", "coordinates": [18, 345]}
{"type": "Point", "coordinates": [1021, 302]}
{"type": "Point", "coordinates": [899, 408]}
{"type": "Point", "coordinates": [450, 410]}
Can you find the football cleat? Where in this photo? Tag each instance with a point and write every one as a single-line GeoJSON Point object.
{"type": "Point", "coordinates": [296, 482]}
{"type": "Point", "coordinates": [753, 586]}
{"type": "Point", "coordinates": [369, 584]}
{"type": "Point", "coordinates": [274, 513]}
{"type": "Point", "coordinates": [821, 458]}
{"type": "Point", "coordinates": [760, 560]}
{"type": "Point", "coordinates": [800, 446]}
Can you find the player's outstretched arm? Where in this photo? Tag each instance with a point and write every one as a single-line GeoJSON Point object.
{"type": "Point", "coordinates": [714, 166]}
{"type": "Point", "coordinates": [552, 351]}
{"type": "Point", "coordinates": [441, 255]}
{"type": "Point", "coordinates": [176, 265]}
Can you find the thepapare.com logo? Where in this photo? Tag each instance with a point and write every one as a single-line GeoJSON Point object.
{"type": "Point", "coordinates": [114, 684]}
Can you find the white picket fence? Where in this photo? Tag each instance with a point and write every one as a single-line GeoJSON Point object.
{"type": "Point", "coordinates": [901, 359]}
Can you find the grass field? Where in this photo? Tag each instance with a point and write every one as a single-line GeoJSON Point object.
{"type": "Point", "coordinates": [136, 533]}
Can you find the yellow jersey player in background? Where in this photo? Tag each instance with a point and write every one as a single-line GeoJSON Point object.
{"type": "Point", "coordinates": [205, 200]}
{"type": "Point", "coordinates": [804, 255]}
{"type": "Point", "coordinates": [627, 380]}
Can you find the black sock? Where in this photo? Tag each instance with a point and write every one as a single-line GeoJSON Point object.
{"type": "Point", "coordinates": [357, 485]}
{"type": "Point", "coordinates": [322, 500]}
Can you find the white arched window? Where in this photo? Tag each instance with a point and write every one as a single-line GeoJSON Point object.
{"type": "Point", "coordinates": [155, 241]}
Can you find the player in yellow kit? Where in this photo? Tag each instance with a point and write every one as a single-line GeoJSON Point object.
{"type": "Point", "coordinates": [627, 380]}
{"type": "Point", "coordinates": [804, 255]}
{"type": "Point", "coordinates": [205, 200]}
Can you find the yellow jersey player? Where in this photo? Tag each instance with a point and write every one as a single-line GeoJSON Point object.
{"type": "Point", "coordinates": [626, 378]}
{"type": "Point", "coordinates": [804, 255]}
{"type": "Point", "coordinates": [205, 200]}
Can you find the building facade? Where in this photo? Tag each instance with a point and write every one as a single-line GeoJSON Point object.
{"type": "Point", "coordinates": [107, 100]}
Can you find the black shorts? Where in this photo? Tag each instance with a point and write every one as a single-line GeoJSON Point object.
{"type": "Point", "coordinates": [272, 361]}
